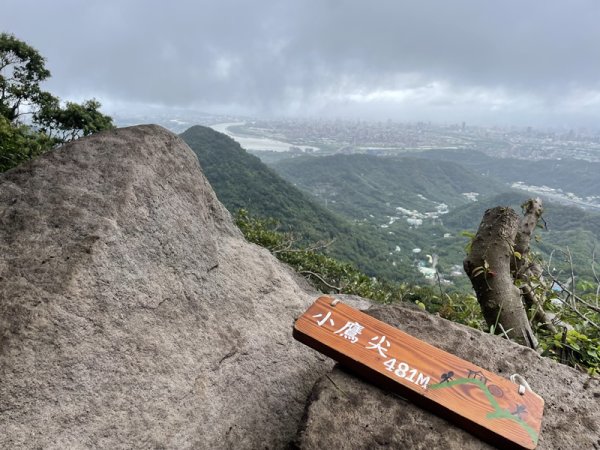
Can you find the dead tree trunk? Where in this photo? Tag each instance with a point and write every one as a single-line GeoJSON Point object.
{"type": "Point", "coordinates": [488, 266]}
{"type": "Point", "coordinates": [526, 270]}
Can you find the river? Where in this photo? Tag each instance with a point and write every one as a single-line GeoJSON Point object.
{"type": "Point", "coordinates": [256, 143]}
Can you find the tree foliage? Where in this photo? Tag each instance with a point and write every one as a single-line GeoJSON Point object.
{"type": "Point", "coordinates": [22, 69]}
{"type": "Point", "coordinates": [73, 120]}
{"type": "Point", "coordinates": [32, 120]}
{"type": "Point", "coordinates": [19, 143]}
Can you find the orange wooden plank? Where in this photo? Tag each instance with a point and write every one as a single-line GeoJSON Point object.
{"type": "Point", "coordinates": [480, 401]}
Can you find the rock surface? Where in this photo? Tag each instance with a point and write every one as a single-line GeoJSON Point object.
{"type": "Point", "coordinates": [133, 314]}
{"type": "Point", "coordinates": [347, 413]}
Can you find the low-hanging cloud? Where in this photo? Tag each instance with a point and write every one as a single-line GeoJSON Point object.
{"type": "Point", "coordinates": [514, 60]}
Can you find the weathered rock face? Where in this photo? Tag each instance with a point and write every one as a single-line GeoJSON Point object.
{"type": "Point", "coordinates": [132, 311]}
{"type": "Point", "coordinates": [347, 413]}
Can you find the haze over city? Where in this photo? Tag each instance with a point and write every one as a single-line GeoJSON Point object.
{"type": "Point", "coordinates": [509, 63]}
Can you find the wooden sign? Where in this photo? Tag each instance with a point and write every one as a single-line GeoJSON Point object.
{"type": "Point", "coordinates": [489, 406]}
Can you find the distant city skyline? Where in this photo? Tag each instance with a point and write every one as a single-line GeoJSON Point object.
{"type": "Point", "coordinates": [531, 63]}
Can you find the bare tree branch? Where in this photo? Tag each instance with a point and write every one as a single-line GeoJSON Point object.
{"type": "Point", "coordinates": [595, 275]}
{"type": "Point", "coordinates": [289, 248]}
{"type": "Point", "coordinates": [527, 271]}
{"type": "Point", "coordinates": [595, 325]}
{"type": "Point", "coordinates": [308, 272]}
{"type": "Point", "coordinates": [572, 277]}
{"type": "Point", "coordinates": [573, 296]}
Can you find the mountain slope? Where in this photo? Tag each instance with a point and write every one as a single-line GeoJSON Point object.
{"type": "Point", "coordinates": [359, 185]}
{"type": "Point", "coordinates": [385, 214]}
{"type": "Point", "coordinates": [571, 175]}
{"type": "Point", "coordinates": [241, 180]}
{"type": "Point", "coordinates": [404, 201]}
{"type": "Point", "coordinates": [389, 192]}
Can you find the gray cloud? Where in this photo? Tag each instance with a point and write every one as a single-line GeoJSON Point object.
{"type": "Point", "coordinates": [531, 61]}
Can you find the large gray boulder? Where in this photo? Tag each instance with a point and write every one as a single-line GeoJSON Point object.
{"type": "Point", "coordinates": [345, 412]}
{"type": "Point", "coordinates": [133, 314]}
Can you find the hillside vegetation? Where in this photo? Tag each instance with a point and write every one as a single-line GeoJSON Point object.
{"type": "Point", "coordinates": [571, 175]}
{"type": "Point", "coordinates": [387, 216]}
{"type": "Point", "coordinates": [358, 185]}
{"type": "Point", "coordinates": [405, 200]}
{"type": "Point", "coordinates": [242, 181]}
{"type": "Point", "coordinates": [370, 189]}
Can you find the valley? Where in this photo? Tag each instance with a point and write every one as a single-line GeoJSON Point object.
{"type": "Point", "coordinates": [399, 217]}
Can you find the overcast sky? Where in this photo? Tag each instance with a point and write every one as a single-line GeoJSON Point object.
{"type": "Point", "coordinates": [489, 62]}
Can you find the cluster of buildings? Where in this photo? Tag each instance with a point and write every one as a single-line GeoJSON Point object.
{"type": "Point", "coordinates": [386, 137]}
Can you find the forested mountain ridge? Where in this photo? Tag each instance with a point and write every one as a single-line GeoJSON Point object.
{"type": "Point", "coordinates": [379, 209]}
{"type": "Point", "coordinates": [358, 185]}
{"type": "Point", "coordinates": [570, 175]}
{"type": "Point", "coordinates": [241, 180]}
{"type": "Point", "coordinates": [442, 193]}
